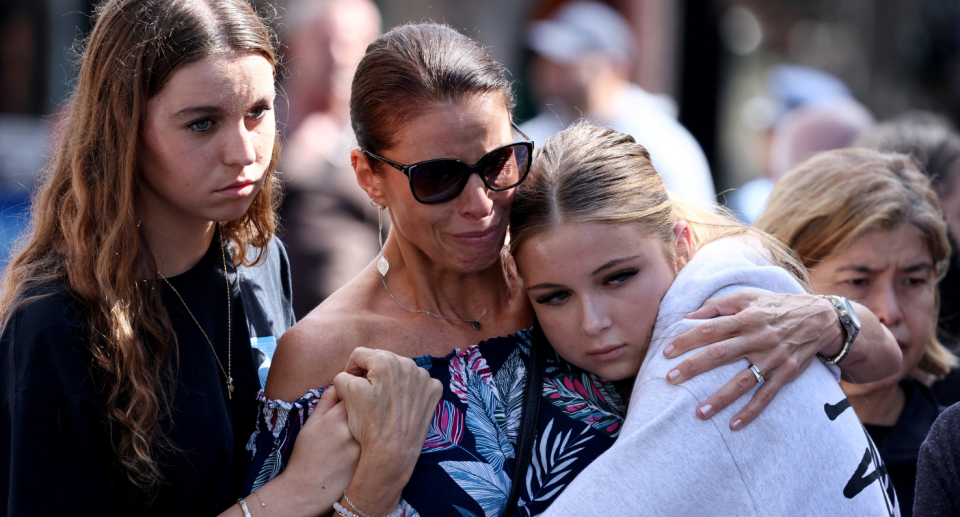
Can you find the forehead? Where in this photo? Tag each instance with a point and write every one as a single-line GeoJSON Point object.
{"type": "Point", "coordinates": [464, 130]}
{"type": "Point", "coordinates": [229, 80]}
{"type": "Point", "coordinates": [579, 248]}
{"type": "Point", "coordinates": [899, 247]}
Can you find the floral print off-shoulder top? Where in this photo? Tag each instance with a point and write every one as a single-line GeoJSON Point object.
{"type": "Point", "coordinates": [467, 461]}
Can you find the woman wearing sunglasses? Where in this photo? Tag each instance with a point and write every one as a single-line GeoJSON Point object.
{"type": "Point", "coordinates": [438, 153]}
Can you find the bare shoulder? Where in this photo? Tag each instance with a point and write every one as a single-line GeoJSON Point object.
{"type": "Point", "coordinates": [316, 349]}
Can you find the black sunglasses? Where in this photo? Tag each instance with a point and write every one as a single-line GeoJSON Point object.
{"type": "Point", "coordinates": [439, 181]}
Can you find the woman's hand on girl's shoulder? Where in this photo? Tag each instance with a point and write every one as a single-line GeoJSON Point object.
{"type": "Point", "coordinates": [778, 333]}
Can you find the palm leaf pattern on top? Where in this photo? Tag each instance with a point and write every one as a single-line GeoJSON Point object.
{"type": "Point", "coordinates": [488, 487]}
{"type": "Point", "coordinates": [474, 431]}
{"type": "Point", "coordinates": [510, 383]}
{"type": "Point", "coordinates": [551, 462]}
{"type": "Point", "coordinates": [446, 430]}
{"type": "Point", "coordinates": [465, 365]}
{"type": "Point", "coordinates": [586, 397]}
{"type": "Point", "coordinates": [484, 415]}
{"type": "Point", "coordinates": [271, 467]}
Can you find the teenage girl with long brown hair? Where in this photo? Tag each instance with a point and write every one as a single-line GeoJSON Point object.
{"type": "Point", "coordinates": [151, 290]}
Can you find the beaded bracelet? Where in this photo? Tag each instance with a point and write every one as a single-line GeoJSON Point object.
{"type": "Point", "coordinates": [343, 512]}
{"type": "Point", "coordinates": [243, 506]}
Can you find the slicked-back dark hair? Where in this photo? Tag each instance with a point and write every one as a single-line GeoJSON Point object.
{"type": "Point", "coordinates": [411, 70]}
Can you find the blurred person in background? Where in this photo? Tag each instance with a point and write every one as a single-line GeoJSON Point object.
{"type": "Point", "coordinates": [868, 226]}
{"type": "Point", "coordinates": [327, 222]}
{"type": "Point", "coordinates": [583, 56]}
{"type": "Point", "coordinates": [20, 75]}
{"type": "Point", "coordinates": [815, 112]}
{"type": "Point", "coordinates": [934, 144]}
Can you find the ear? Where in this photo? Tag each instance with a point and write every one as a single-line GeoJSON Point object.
{"type": "Point", "coordinates": [683, 244]}
{"type": "Point", "coordinates": [368, 181]}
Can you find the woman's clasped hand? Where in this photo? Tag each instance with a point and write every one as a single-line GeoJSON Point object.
{"type": "Point", "coordinates": [364, 435]}
{"type": "Point", "coordinates": [389, 402]}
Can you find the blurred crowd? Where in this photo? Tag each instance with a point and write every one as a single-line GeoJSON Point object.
{"type": "Point", "coordinates": [581, 60]}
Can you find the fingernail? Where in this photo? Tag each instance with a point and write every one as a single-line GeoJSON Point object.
{"type": "Point", "coordinates": [674, 374]}
{"type": "Point", "coordinates": [737, 424]}
{"type": "Point", "coordinates": [669, 350]}
{"type": "Point", "coordinates": [705, 410]}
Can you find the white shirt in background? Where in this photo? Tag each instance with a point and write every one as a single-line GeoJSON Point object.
{"type": "Point", "coordinates": [651, 120]}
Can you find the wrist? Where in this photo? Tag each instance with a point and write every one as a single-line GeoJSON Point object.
{"type": "Point", "coordinates": [298, 497]}
{"type": "Point", "coordinates": [851, 327]}
{"type": "Point", "coordinates": [836, 333]}
{"type": "Point", "coordinates": [376, 490]}
{"type": "Point", "coordinates": [388, 462]}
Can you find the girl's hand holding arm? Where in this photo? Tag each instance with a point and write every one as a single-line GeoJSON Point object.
{"type": "Point", "coordinates": [781, 334]}
{"type": "Point", "coordinates": [390, 403]}
{"type": "Point", "coordinates": [321, 466]}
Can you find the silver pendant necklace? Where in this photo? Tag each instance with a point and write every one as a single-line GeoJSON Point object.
{"type": "Point", "coordinates": [475, 322]}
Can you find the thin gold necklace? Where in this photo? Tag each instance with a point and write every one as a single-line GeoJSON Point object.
{"type": "Point", "coordinates": [228, 373]}
{"type": "Point", "coordinates": [475, 322]}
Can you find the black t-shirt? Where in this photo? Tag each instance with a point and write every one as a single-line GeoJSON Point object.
{"type": "Point", "coordinates": [56, 450]}
{"type": "Point", "coordinates": [899, 444]}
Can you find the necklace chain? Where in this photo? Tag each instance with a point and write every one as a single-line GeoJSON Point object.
{"type": "Point", "coordinates": [474, 321]}
{"type": "Point", "coordinates": [228, 373]}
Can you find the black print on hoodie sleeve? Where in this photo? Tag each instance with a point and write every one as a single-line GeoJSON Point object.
{"type": "Point", "coordinates": [860, 479]}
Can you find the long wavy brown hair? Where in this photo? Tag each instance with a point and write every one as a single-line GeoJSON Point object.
{"type": "Point", "coordinates": [85, 233]}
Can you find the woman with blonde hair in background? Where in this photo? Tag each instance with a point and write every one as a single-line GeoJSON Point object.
{"type": "Point", "coordinates": [615, 269]}
{"type": "Point", "coordinates": [868, 226]}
